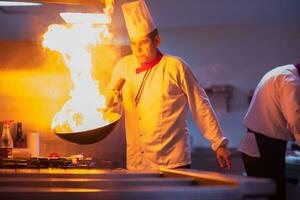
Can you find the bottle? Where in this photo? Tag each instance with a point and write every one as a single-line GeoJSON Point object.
{"type": "Point", "coordinates": [19, 141]}
{"type": "Point", "coordinates": [6, 142]}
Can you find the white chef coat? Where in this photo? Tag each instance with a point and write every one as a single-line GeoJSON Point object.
{"type": "Point", "coordinates": [274, 109]}
{"type": "Point", "coordinates": [156, 129]}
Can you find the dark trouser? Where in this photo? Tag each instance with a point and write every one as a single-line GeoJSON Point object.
{"type": "Point", "coordinates": [271, 164]}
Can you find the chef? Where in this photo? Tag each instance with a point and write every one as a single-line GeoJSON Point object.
{"type": "Point", "coordinates": [272, 119]}
{"type": "Point", "coordinates": [158, 88]}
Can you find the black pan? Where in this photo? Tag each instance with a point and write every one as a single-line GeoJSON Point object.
{"type": "Point", "coordinates": [93, 135]}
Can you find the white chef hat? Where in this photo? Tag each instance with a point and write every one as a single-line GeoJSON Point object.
{"type": "Point", "coordinates": [138, 19]}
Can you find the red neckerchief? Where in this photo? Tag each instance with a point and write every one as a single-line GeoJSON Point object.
{"type": "Point", "coordinates": [298, 68]}
{"type": "Point", "coordinates": [150, 64]}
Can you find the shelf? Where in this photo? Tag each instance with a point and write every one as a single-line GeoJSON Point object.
{"type": "Point", "coordinates": [223, 90]}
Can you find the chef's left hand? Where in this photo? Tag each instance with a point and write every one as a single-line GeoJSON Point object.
{"type": "Point", "coordinates": [223, 157]}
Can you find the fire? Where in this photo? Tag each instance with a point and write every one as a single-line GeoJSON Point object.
{"type": "Point", "coordinates": [83, 110]}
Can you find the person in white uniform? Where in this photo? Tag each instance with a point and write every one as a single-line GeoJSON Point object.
{"type": "Point", "coordinates": [157, 89]}
{"type": "Point", "coordinates": [272, 119]}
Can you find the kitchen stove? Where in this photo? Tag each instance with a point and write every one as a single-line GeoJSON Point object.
{"type": "Point", "coordinates": [54, 162]}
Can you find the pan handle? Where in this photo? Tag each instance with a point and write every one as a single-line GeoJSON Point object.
{"type": "Point", "coordinates": [119, 84]}
{"type": "Point", "coordinates": [116, 90]}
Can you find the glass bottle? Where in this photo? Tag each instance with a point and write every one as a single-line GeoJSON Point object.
{"type": "Point", "coordinates": [19, 141]}
{"type": "Point", "coordinates": [6, 142]}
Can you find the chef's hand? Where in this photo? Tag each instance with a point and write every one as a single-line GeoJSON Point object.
{"type": "Point", "coordinates": [223, 157]}
{"type": "Point", "coordinates": [112, 98]}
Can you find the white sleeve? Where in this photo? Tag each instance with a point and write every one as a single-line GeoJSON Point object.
{"type": "Point", "coordinates": [290, 104]}
{"type": "Point", "coordinates": [201, 109]}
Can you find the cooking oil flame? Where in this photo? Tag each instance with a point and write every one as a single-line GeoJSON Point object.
{"type": "Point", "coordinates": [83, 110]}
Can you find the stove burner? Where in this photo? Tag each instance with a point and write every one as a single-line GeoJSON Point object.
{"type": "Point", "coordinates": [62, 163]}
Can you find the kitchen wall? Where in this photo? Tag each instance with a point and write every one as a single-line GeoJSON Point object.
{"type": "Point", "coordinates": [238, 55]}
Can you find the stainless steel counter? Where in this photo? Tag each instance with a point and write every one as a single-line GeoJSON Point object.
{"type": "Point", "coordinates": [82, 184]}
{"type": "Point", "coordinates": [292, 167]}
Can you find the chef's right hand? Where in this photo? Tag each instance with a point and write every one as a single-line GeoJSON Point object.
{"type": "Point", "coordinates": [112, 98]}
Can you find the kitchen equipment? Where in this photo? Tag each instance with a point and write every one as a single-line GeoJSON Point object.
{"type": "Point", "coordinates": [33, 143]}
{"type": "Point", "coordinates": [57, 163]}
{"type": "Point", "coordinates": [93, 135]}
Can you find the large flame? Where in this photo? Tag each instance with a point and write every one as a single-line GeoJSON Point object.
{"type": "Point", "coordinates": [83, 110]}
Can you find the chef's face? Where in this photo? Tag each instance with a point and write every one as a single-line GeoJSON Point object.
{"type": "Point", "coordinates": [145, 48]}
